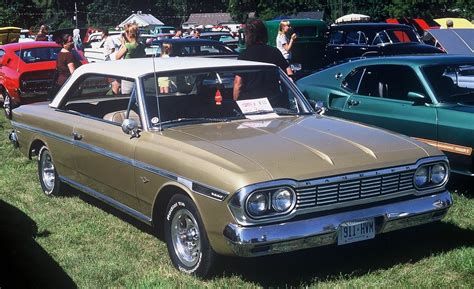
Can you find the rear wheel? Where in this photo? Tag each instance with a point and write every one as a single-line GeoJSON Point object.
{"type": "Point", "coordinates": [186, 239]}
{"type": "Point", "coordinates": [47, 173]}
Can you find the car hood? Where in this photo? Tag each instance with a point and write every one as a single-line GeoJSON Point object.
{"type": "Point", "coordinates": [409, 48]}
{"type": "Point", "coordinates": [305, 147]}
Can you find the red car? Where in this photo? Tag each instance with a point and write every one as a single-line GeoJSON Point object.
{"type": "Point", "coordinates": [27, 70]}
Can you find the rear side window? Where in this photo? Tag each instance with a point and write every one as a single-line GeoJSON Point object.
{"type": "Point", "coordinates": [352, 81]}
{"type": "Point", "coordinates": [306, 31]}
{"type": "Point", "coordinates": [38, 54]}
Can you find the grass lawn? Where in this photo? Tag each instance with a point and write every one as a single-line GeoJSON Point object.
{"type": "Point", "coordinates": [75, 241]}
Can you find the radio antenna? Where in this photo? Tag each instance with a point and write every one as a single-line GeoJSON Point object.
{"type": "Point", "coordinates": [156, 93]}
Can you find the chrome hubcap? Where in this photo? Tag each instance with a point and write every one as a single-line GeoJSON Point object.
{"type": "Point", "coordinates": [185, 237]}
{"type": "Point", "coordinates": [47, 172]}
{"type": "Point", "coordinates": [6, 103]}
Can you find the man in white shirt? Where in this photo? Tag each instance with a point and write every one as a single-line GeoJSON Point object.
{"type": "Point", "coordinates": [111, 45]}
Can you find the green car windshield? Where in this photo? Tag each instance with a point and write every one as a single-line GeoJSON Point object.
{"type": "Point", "coordinates": [452, 83]}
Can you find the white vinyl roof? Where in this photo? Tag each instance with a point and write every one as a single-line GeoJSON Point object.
{"type": "Point", "coordinates": [134, 68]}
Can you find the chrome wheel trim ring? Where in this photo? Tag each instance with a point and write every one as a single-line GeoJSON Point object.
{"type": "Point", "coordinates": [48, 175]}
{"type": "Point", "coordinates": [185, 236]}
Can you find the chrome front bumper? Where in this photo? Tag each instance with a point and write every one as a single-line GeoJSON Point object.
{"type": "Point", "coordinates": [322, 230]}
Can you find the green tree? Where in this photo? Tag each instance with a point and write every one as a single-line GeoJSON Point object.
{"type": "Point", "coordinates": [107, 13]}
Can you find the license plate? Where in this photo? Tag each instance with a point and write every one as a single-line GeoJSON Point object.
{"type": "Point", "coordinates": [350, 232]}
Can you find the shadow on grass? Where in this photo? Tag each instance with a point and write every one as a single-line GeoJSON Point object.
{"type": "Point", "coordinates": [462, 185]}
{"type": "Point", "coordinates": [23, 262]}
{"type": "Point", "coordinates": [329, 263]}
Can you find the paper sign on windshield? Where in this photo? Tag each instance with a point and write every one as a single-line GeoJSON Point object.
{"type": "Point", "coordinates": [258, 106]}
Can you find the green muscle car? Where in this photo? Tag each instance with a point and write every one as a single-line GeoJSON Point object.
{"type": "Point", "coordinates": [227, 157]}
{"type": "Point", "coordinates": [430, 98]}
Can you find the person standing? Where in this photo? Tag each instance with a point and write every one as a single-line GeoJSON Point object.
{"type": "Point", "coordinates": [42, 34]}
{"type": "Point", "coordinates": [110, 45]}
{"type": "Point", "coordinates": [163, 81]}
{"type": "Point", "coordinates": [282, 42]}
{"type": "Point", "coordinates": [65, 63]}
{"type": "Point", "coordinates": [178, 35]}
{"type": "Point", "coordinates": [256, 38]}
{"type": "Point", "coordinates": [131, 46]}
{"type": "Point", "coordinates": [76, 36]}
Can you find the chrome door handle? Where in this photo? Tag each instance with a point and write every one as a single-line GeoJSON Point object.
{"type": "Point", "coordinates": [352, 102]}
{"type": "Point", "coordinates": [76, 136]}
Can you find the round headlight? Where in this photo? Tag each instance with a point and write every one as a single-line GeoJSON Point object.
{"type": "Point", "coordinates": [257, 204]}
{"type": "Point", "coordinates": [438, 174]}
{"type": "Point", "coordinates": [282, 200]}
{"type": "Point", "coordinates": [421, 176]}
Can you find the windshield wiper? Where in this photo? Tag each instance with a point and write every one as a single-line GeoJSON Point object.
{"type": "Point", "coordinates": [197, 119]}
{"type": "Point", "coordinates": [278, 110]}
{"type": "Point", "coordinates": [461, 94]}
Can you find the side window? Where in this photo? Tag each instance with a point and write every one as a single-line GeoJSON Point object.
{"type": "Point", "coordinates": [2, 52]}
{"type": "Point", "coordinates": [336, 37]}
{"type": "Point", "coordinates": [399, 80]}
{"type": "Point", "coordinates": [356, 37]}
{"type": "Point", "coordinates": [352, 81]}
{"type": "Point", "coordinates": [103, 97]}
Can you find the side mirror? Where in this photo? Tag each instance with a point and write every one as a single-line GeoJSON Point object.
{"type": "Point", "coordinates": [318, 106]}
{"type": "Point", "coordinates": [130, 127]}
{"type": "Point", "coordinates": [416, 97]}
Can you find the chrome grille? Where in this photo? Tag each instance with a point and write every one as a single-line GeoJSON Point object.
{"type": "Point", "coordinates": [346, 191]}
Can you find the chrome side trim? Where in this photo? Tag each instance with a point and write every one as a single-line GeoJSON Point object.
{"type": "Point", "coordinates": [322, 230]}
{"type": "Point", "coordinates": [194, 186]}
{"type": "Point", "coordinates": [108, 200]}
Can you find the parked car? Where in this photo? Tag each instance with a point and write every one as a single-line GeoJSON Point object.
{"type": "Point", "coordinates": [189, 25]}
{"type": "Point", "coordinates": [95, 51]}
{"type": "Point", "coordinates": [451, 41]}
{"type": "Point", "coordinates": [192, 47]}
{"type": "Point", "coordinates": [373, 39]}
{"type": "Point", "coordinates": [95, 39]}
{"type": "Point", "coordinates": [164, 30]}
{"type": "Point", "coordinates": [9, 35]}
{"type": "Point", "coordinates": [430, 98]}
{"type": "Point", "coordinates": [27, 70]}
{"type": "Point", "coordinates": [222, 36]}
{"type": "Point", "coordinates": [259, 176]}
{"type": "Point", "coordinates": [421, 25]}
{"type": "Point", "coordinates": [308, 49]}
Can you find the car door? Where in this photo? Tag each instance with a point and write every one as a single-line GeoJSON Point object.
{"type": "Point", "coordinates": [103, 153]}
{"type": "Point", "coordinates": [392, 97]}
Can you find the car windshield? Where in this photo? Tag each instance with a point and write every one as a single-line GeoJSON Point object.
{"type": "Point", "coordinates": [391, 36]}
{"type": "Point", "coordinates": [452, 83]}
{"type": "Point", "coordinates": [196, 49]}
{"type": "Point", "coordinates": [38, 54]}
{"type": "Point", "coordinates": [208, 96]}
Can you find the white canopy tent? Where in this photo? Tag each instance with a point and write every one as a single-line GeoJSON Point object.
{"type": "Point", "coordinates": [352, 18]}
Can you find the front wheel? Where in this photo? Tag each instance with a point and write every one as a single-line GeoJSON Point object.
{"type": "Point", "coordinates": [7, 104]}
{"type": "Point", "coordinates": [47, 173]}
{"type": "Point", "coordinates": [186, 239]}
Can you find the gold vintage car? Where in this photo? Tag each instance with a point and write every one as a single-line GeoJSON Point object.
{"type": "Point", "coordinates": [227, 157]}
